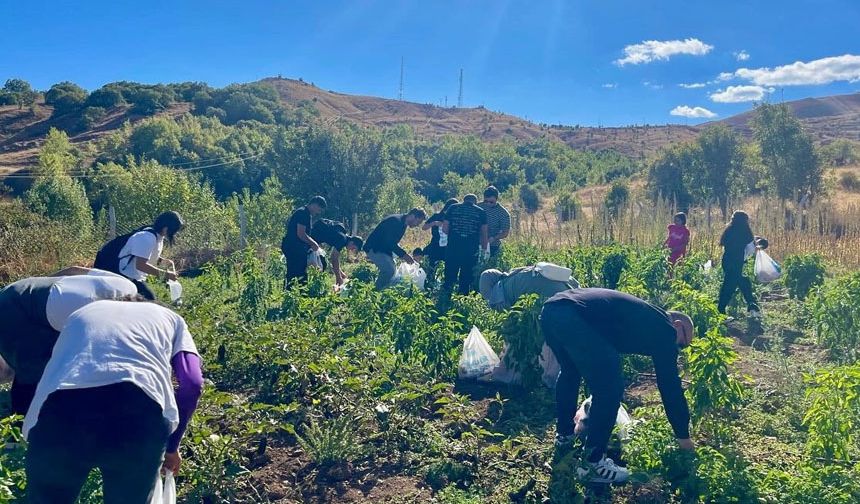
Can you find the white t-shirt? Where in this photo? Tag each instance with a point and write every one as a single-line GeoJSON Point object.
{"type": "Point", "coordinates": [141, 244]}
{"type": "Point", "coordinates": [70, 293]}
{"type": "Point", "coordinates": [109, 342]}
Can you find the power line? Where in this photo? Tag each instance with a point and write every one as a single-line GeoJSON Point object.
{"type": "Point", "coordinates": [85, 175]}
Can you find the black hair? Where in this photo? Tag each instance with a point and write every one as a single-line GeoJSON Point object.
{"type": "Point", "coordinates": [319, 201]}
{"type": "Point", "coordinates": [418, 212]}
{"type": "Point", "coordinates": [359, 242]}
{"type": "Point", "coordinates": [470, 198]}
{"type": "Point", "coordinates": [491, 192]}
{"type": "Point", "coordinates": [681, 216]}
{"type": "Point", "coordinates": [740, 223]}
{"type": "Point", "coordinates": [170, 220]}
{"type": "Point", "coordinates": [418, 251]}
{"type": "Point", "coordinates": [448, 204]}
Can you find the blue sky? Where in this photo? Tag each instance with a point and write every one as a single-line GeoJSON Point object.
{"type": "Point", "coordinates": [608, 62]}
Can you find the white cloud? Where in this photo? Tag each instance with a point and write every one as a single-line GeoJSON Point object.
{"type": "Point", "coordinates": [692, 112]}
{"type": "Point", "coordinates": [651, 85]}
{"type": "Point", "coordinates": [741, 55]}
{"type": "Point", "coordinates": [801, 73]}
{"type": "Point", "coordinates": [662, 50]}
{"type": "Point", "coordinates": [610, 85]}
{"type": "Point", "coordinates": [724, 76]}
{"type": "Point", "coordinates": [695, 85]}
{"type": "Point", "coordinates": [740, 94]}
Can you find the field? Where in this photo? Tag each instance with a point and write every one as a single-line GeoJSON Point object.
{"type": "Point", "coordinates": [317, 397]}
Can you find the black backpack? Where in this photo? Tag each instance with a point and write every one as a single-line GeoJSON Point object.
{"type": "Point", "coordinates": [108, 259]}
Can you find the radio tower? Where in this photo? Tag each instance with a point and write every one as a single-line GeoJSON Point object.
{"type": "Point", "coordinates": [400, 94]}
{"type": "Point", "coordinates": [460, 96]}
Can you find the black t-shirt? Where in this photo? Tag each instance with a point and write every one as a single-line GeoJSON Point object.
{"type": "Point", "coordinates": [301, 216]}
{"type": "Point", "coordinates": [634, 326]}
{"type": "Point", "coordinates": [385, 237]}
{"type": "Point", "coordinates": [434, 231]}
{"type": "Point", "coordinates": [329, 232]}
{"type": "Point", "coordinates": [464, 227]}
{"type": "Point", "coordinates": [734, 241]}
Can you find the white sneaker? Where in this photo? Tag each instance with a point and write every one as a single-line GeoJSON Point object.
{"type": "Point", "coordinates": [604, 471]}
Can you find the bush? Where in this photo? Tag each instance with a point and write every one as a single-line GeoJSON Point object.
{"type": "Point", "coordinates": [617, 197]}
{"type": "Point", "coordinates": [62, 199]}
{"type": "Point", "coordinates": [849, 181]}
{"type": "Point", "coordinates": [530, 198]}
{"type": "Point", "coordinates": [91, 117]}
{"type": "Point", "coordinates": [569, 207]}
{"type": "Point", "coordinates": [836, 317]}
{"type": "Point", "coordinates": [834, 408]}
{"type": "Point", "coordinates": [105, 97]}
{"type": "Point", "coordinates": [802, 273]}
{"type": "Point", "coordinates": [65, 97]}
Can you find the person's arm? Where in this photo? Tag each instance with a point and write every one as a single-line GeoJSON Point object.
{"type": "Point", "coordinates": [485, 240]}
{"type": "Point", "coordinates": [506, 227]}
{"type": "Point", "coordinates": [189, 375]}
{"type": "Point", "coordinates": [143, 265]}
{"type": "Point", "coordinates": [671, 392]}
{"type": "Point", "coordinates": [301, 232]}
{"type": "Point", "coordinates": [335, 266]}
{"type": "Point", "coordinates": [445, 226]}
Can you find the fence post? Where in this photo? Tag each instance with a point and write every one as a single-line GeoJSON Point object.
{"type": "Point", "coordinates": [243, 226]}
{"type": "Point", "coordinates": [354, 223]}
{"type": "Point", "coordinates": [111, 222]}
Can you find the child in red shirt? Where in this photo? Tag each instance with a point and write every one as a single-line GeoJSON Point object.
{"type": "Point", "coordinates": [679, 237]}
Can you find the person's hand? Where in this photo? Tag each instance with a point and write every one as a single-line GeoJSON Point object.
{"type": "Point", "coordinates": [686, 444]}
{"type": "Point", "coordinates": [408, 259]}
{"type": "Point", "coordinates": [171, 264]}
{"type": "Point", "coordinates": [683, 334]}
{"type": "Point", "coordinates": [172, 461]}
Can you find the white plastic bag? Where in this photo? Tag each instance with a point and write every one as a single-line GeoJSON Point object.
{"type": "Point", "coordinates": [413, 273]}
{"type": "Point", "coordinates": [315, 258]}
{"type": "Point", "coordinates": [749, 250]}
{"type": "Point", "coordinates": [503, 374]}
{"type": "Point", "coordinates": [552, 271]}
{"type": "Point", "coordinates": [165, 489]}
{"type": "Point", "coordinates": [175, 290]}
{"type": "Point", "coordinates": [478, 357]}
{"type": "Point", "coordinates": [766, 269]}
{"type": "Point", "coordinates": [622, 420]}
{"type": "Point", "coordinates": [443, 238]}
{"type": "Point", "coordinates": [551, 367]}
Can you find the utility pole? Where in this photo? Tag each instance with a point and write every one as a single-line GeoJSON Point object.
{"type": "Point", "coordinates": [460, 96]}
{"type": "Point", "coordinates": [400, 94]}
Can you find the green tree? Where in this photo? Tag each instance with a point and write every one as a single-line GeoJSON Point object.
{"type": "Point", "coordinates": [669, 173]}
{"type": "Point", "coordinates": [344, 164]}
{"type": "Point", "coordinates": [65, 97]}
{"type": "Point", "coordinates": [19, 92]}
{"type": "Point", "coordinates": [105, 97]}
{"type": "Point", "coordinates": [617, 197]}
{"type": "Point", "coordinates": [60, 198]}
{"type": "Point", "coordinates": [530, 197]}
{"type": "Point", "coordinates": [841, 152]}
{"type": "Point", "coordinates": [721, 161]}
{"type": "Point", "coordinates": [57, 156]}
{"type": "Point", "coordinates": [787, 152]}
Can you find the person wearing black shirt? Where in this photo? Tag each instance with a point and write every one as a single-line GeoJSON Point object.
{"type": "Point", "coordinates": [734, 240]}
{"type": "Point", "coordinates": [589, 330]}
{"type": "Point", "coordinates": [466, 227]}
{"type": "Point", "coordinates": [435, 250]}
{"type": "Point", "coordinates": [384, 242]}
{"type": "Point", "coordinates": [332, 233]}
{"type": "Point", "coordinates": [298, 242]}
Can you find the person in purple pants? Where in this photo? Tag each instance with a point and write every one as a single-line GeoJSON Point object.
{"type": "Point", "coordinates": [106, 400]}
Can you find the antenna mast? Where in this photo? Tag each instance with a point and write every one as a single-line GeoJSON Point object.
{"type": "Point", "coordinates": [400, 94]}
{"type": "Point", "coordinates": [460, 96]}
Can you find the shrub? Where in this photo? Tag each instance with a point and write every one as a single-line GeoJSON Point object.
{"type": "Point", "coordinates": [62, 199]}
{"type": "Point", "coordinates": [849, 181]}
{"type": "Point", "coordinates": [569, 207]}
{"type": "Point", "coordinates": [615, 262]}
{"type": "Point", "coordinates": [802, 273]}
{"type": "Point", "coordinates": [65, 97]}
{"type": "Point", "coordinates": [530, 198]}
{"type": "Point", "coordinates": [105, 97]}
{"type": "Point", "coordinates": [712, 388]}
{"type": "Point", "coordinates": [521, 330]}
{"type": "Point", "coordinates": [836, 317]}
{"type": "Point", "coordinates": [617, 197]}
{"type": "Point", "coordinates": [834, 407]}
{"type": "Point", "coordinates": [330, 441]}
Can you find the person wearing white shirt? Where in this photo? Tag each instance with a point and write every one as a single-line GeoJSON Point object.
{"type": "Point", "coordinates": [106, 400]}
{"type": "Point", "coordinates": [33, 312]}
{"type": "Point", "coordinates": [141, 254]}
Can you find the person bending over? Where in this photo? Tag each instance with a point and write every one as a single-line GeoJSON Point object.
{"type": "Point", "coordinates": [332, 233]}
{"type": "Point", "coordinates": [298, 241]}
{"type": "Point", "coordinates": [384, 242]}
{"type": "Point", "coordinates": [589, 330]}
{"type": "Point", "coordinates": [34, 311]}
{"type": "Point", "coordinates": [106, 400]}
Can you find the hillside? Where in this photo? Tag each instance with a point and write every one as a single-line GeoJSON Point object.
{"type": "Point", "coordinates": [21, 131]}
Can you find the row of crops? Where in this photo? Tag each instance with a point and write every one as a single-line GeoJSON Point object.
{"type": "Point", "coordinates": [313, 396]}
